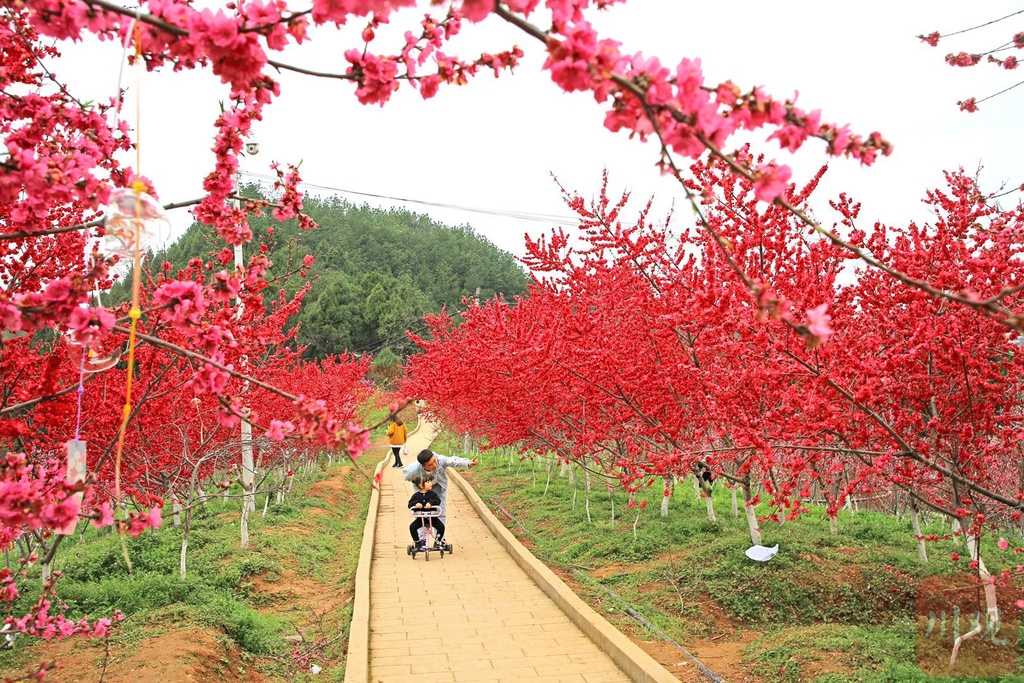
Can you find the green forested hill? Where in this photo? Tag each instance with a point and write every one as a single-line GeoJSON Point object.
{"type": "Point", "coordinates": [376, 273]}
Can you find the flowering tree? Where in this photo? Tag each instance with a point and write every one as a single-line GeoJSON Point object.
{"type": "Point", "coordinates": [655, 345]}
{"type": "Point", "coordinates": [62, 171]}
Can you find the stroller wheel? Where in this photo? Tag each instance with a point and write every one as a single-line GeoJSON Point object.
{"type": "Point", "coordinates": [426, 556]}
{"type": "Point", "coordinates": [448, 548]}
{"type": "Point", "coordinates": [408, 549]}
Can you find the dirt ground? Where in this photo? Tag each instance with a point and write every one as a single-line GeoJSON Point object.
{"type": "Point", "coordinates": [721, 652]}
{"type": "Point", "coordinates": [175, 656]}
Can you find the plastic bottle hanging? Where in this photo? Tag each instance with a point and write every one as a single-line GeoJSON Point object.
{"type": "Point", "coordinates": [134, 217]}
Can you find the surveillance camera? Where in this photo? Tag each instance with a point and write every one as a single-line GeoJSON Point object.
{"type": "Point", "coordinates": [252, 148]}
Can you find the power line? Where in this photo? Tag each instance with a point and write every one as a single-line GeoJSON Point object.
{"type": "Point", "coordinates": [505, 213]}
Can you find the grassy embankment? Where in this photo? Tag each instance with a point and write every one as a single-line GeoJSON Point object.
{"type": "Point", "coordinates": [826, 608]}
{"type": "Point", "coordinates": [239, 614]}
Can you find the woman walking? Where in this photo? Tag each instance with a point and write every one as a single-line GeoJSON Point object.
{"type": "Point", "coordinates": [397, 434]}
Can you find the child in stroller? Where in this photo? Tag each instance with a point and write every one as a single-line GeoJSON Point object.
{"type": "Point", "coordinates": [425, 507]}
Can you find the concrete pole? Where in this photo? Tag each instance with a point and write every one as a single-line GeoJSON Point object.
{"type": "Point", "coordinates": [248, 467]}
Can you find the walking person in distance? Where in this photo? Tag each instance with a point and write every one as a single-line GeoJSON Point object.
{"type": "Point", "coordinates": [397, 434]}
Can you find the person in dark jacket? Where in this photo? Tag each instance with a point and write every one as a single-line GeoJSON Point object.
{"type": "Point", "coordinates": [425, 499]}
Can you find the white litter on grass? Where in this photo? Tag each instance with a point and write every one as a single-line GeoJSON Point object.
{"type": "Point", "coordinates": [315, 669]}
{"type": "Point", "coordinates": [761, 554]}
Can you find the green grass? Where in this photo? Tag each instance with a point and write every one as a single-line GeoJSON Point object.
{"type": "Point", "coordinates": [827, 607]}
{"type": "Point", "coordinates": [218, 593]}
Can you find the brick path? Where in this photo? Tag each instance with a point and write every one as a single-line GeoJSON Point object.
{"type": "Point", "coordinates": [473, 615]}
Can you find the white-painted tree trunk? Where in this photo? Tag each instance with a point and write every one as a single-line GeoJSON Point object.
{"type": "Point", "coordinates": [667, 495]}
{"type": "Point", "coordinates": [586, 493]}
{"type": "Point", "coordinates": [915, 520]}
{"type": "Point", "coordinates": [248, 466]}
{"type": "Point", "coordinates": [755, 531]}
{"type": "Point", "coordinates": [711, 509]}
{"type": "Point", "coordinates": [184, 552]}
{"type": "Point", "coordinates": [735, 507]}
{"type": "Point", "coordinates": [751, 515]}
{"type": "Point", "coordinates": [991, 605]}
{"type": "Point", "coordinates": [245, 522]}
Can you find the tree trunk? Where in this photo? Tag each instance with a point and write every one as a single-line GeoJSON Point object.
{"type": "Point", "coordinates": [915, 520]}
{"type": "Point", "coordinates": [184, 553]}
{"type": "Point", "coordinates": [735, 507]}
{"type": "Point", "coordinates": [248, 466]}
{"type": "Point", "coordinates": [755, 531]}
{"type": "Point", "coordinates": [586, 493]}
{"type": "Point", "coordinates": [991, 605]}
{"type": "Point", "coordinates": [247, 492]}
{"type": "Point", "coordinates": [667, 496]}
{"type": "Point", "coordinates": [705, 489]}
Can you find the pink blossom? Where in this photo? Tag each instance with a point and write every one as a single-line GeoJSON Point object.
{"type": "Point", "coordinates": [570, 60]}
{"type": "Point", "coordinates": [818, 321]}
{"type": "Point", "coordinates": [970, 105]}
{"type": "Point", "coordinates": [90, 325]}
{"type": "Point", "coordinates": [278, 429]}
{"type": "Point", "coordinates": [1003, 544]}
{"type": "Point", "coordinates": [209, 380]}
{"type": "Point", "coordinates": [962, 59]}
{"type": "Point", "coordinates": [224, 286]}
{"type": "Point", "coordinates": [771, 182]}
{"type": "Point", "coordinates": [154, 518]}
{"type": "Point", "coordinates": [375, 75]}
{"type": "Point", "coordinates": [184, 300]}
{"type": "Point", "coordinates": [357, 440]}
{"type": "Point", "coordinates": [106, 516]}
{"type": "Point", "coordinates": [101, 628]}
{"type": "Point", "coordinates": [477, 10]}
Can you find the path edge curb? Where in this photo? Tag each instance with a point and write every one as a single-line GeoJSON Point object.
{"type": "Point", "coordinates": [357, 660]}
{"type": "Point", "coordinates": [627, 655]}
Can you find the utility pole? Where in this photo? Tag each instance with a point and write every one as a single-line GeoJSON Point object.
{"type": "Point", "coordinates": [248, 464]}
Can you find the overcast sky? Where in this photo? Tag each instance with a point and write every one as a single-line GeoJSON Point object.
{"type": "Point", "coordinates": [495, 143]}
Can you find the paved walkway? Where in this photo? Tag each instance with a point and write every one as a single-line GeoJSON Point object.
{"type": "Point", "coordinates": [473, 615]}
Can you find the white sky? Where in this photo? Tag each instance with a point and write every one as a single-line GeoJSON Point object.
{"type": "Point", "coordinates": [494, 143]}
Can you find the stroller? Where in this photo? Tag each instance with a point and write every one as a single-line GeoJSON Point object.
{"type": "Point", "coordinates": [430, 543]}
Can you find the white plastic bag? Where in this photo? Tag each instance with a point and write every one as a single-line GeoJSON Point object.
{"type": "Point", "coordinates": [405, 450]}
